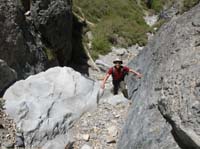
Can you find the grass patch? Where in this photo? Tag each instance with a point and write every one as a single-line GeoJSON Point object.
{"type": "Point", "coordinates": [101, 45]}
{"type": "Point", "coordinates": [157, 5]}
{"type": "Point", "coordinates": [187, 4]}
{"type": "Point", "coordinates": [158, 24]}
{"type": "Point", "coordinates": [2, 102]}
{"type": "Point", "coordinates": [50, 54]}
{"type": "Point", "coordinates": [117, 22]}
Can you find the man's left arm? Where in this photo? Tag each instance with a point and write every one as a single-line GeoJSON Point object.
{"type": "Point", "coordinates": [135, 72]}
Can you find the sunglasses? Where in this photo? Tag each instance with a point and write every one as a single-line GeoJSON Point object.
{"type": "Point", "coordinates": [117, 62]}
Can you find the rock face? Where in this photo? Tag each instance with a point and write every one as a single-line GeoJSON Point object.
{"type": "Point", "coordinates": [7, 76]}
{"type": "Point", "coordinates": [53, 18]}
{"type": "Point", "coordinates": [45, 106]}
{"type": "Point", "coordinates": [29, 41]}
{"type": "Point", "coordinates": [166, 102]}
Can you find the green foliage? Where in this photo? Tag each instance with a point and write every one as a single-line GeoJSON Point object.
{"type": "Point", "coordinates": [120, 22]}
{"type": "Point", "coordinates": [187, 4]}
{"type": "Point", "coordinates": [157, 5]}
{"type": "Point", "coordinates": [50, 54]}
{"type": "Point", "coordinates": [1, 103]}
{"type": "Point", "coordinates": [100, 45]}
{"type": "Point", "coordinates": [114, 20]}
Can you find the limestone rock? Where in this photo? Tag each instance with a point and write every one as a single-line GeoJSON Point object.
{"type": "Point", "coordinates": [44, 106]}
{"type": "Point", "coordinates": [111, 139]}
{"type": "Point", "coordinates": [8, 145]}
{"type": "Point", "coordinates": [113, 99]}
{"type": "Point", "coordinates": [165, 113]}
{"type": "Point", "coordinates": [19, 141]}
{"type": "Point", "coordinates": [86, 137]}
{"type": "Point", "coordinates": [113, 131]}
{"type": "Point", "coordinates": [151, 20]}
{"type": "Point", "coordinates": [85, 146]}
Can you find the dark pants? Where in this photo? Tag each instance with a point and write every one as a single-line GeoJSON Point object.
{"type": "Point", "coordinates": [119, 84]}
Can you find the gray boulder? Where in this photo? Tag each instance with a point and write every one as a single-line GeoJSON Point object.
{"type": "Point", "coordinates": [45, 106]}
{"type": "Point", "coordinates": [7, 76]}
{"type": "Point", "coordinates": [165, 111]}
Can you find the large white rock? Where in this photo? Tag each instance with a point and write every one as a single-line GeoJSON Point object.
{"type": "Point", "coordinates": [45, 105]}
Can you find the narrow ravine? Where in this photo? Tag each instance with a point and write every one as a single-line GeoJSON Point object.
{"type": "Point", "coordinates": [98, 129]}
{"type": "Point", "coordinates": [101, 128]}
{"type": "Point", "coordinates": [50, 84]}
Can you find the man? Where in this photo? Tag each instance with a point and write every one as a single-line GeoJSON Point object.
{"type": "Point", "coordinates": [118, 73]}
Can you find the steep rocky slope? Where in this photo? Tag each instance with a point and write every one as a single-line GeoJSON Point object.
{"type": "Point", "coordinates": [165, 113]}
{"type": "Point", "coordinates": [35, 36]}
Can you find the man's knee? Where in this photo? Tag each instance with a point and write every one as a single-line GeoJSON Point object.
{"type": "Point", "coordinates": [122, 85]}
{"type": "Point", "coordinates": [124, 89]}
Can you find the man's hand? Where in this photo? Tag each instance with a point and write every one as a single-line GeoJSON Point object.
{"type": "Point", "coordinates": [104, 80]}
{"type": "Point", "coordinates": [139, 75]}
{"type": "Point", "coordinates": [103, 85]}
{"type": "Point", "coordinates": [136, 73]}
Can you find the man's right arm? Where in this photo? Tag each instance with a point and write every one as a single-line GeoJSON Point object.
{"type": "Point", "coordinates": [104, 80]}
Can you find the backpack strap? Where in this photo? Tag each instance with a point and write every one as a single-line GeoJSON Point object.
{"type": "Point", "coordinates": [113, 69]}
{"type": "Point", "coordinates": [122, 71]}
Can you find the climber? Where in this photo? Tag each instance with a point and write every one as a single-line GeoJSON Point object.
{"type": "Point", "coordinates": [118, 73]}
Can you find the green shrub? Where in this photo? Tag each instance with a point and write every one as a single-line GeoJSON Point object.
{"type": "Point", "coordinates": [1, 103]}
{"type": "Point", "coordinates": [114, 20]}
{"type": "Point", "coordinates": [100, 45]}
{"type": "Point", "coordinates": [50, 54]}
{"type": "Point", "coordinates": [187, 4]}
{"type": "Point", "coordinates": [157, 5]}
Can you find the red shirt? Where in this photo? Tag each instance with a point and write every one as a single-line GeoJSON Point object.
{"type": "Point", "coordinates": [118, 74]}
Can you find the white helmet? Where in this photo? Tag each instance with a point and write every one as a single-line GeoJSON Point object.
{"type": "Point", "coordinates": [118, 60]}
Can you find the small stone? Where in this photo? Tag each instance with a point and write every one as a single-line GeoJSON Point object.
{"type": "Point", "coordinates": [85, 146]}
{"type": "Point", "coordinates": [86, 137]}
{"type": "Point", "coordinates": [1, 126]}
{"type": "Point", "coordinates": [113, 131]}
{"type": "Point", "coordinates": [117, 116]}
{"type": "Point", "coordinates": [95, 129]}
{"type": "Point", "coordinates": [110, 139]}
{"type": "Point", "coordinates": [8, 144]}
{"type": "Point", "coordinates": [27, 13]}
{"type": "Point", "coordinates": [69, 145]}
{"type": "Point", "coordinates": [89, 114]}
{"type": "Point", "coordinates": [8, 136]}
{"type": "Point", "coordinates": [19, 141]}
